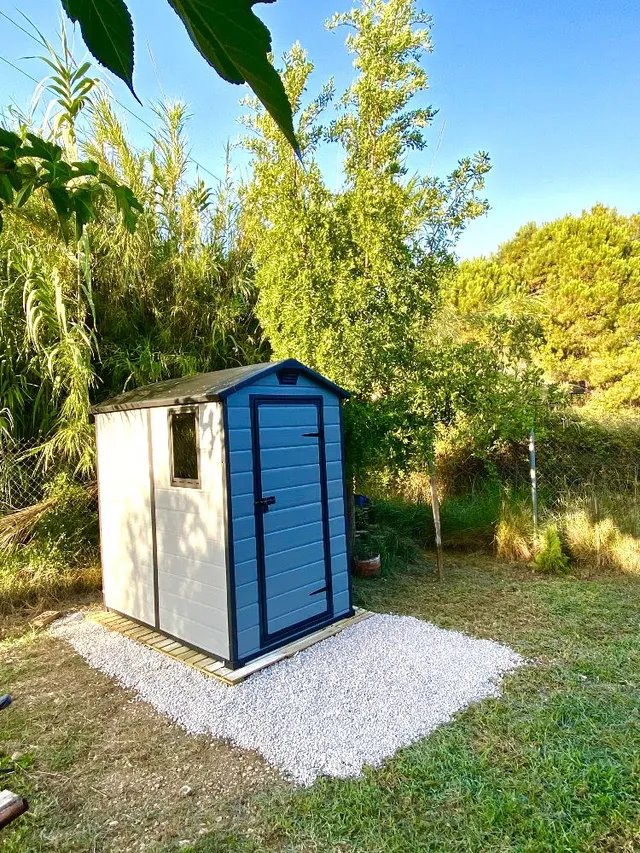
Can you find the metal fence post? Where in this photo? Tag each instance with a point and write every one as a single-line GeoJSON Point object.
{"type": "Point", "coordinates": [534, 484]}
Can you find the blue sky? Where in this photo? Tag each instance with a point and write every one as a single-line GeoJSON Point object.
{"type": "Point", "coordinates": [550, 89]}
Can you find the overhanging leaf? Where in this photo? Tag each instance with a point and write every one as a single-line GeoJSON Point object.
{"type": "Point", "coordinates": [107, 31]}
{"type": "Point", "coordinates": [6, 190]}
{"type": "Point", "coordinates": [23, 195]}
{"type": "Point", "coordinates": [236, 43]}
{"type": "Point", "coordinates": [61, 201]}
{"type": "Point", "coordinates": [41, 148]}
{"type": "Point", "coordinates": [9, 139]}
{"type": "Point", "coordinates": [82, 168]}
{"type": "Point", "coordinates": [126, 203]}
{"type": "Point", "coordinates": [82, 201]}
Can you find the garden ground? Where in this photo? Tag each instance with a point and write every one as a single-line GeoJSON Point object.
{"type": "Point", "coordinates": [554, 765]}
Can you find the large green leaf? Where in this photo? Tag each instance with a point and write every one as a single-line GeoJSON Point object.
{"type": "Point", "coordinates": [107, 31]}
{"type": "Point", "coordinates": [6, 189]}
{"type": "Point", "coordinates": [9, 139]}
{"type": "Point", "coordinates": [227, 33]}
{"type": "Point", "coordinates": [236, 43]}
{"type": "Point", "coordinates": [72, 187]}
{"type": "Point", "coordinates": [41, 148]}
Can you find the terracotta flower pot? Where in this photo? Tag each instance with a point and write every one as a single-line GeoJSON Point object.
{"type": "Point", "coordinates": [368, 567]}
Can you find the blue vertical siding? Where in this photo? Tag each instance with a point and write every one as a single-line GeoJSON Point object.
{"type": "Point", "coordinates": [242, 509]}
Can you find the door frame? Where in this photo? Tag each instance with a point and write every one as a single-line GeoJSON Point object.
{"type": "Point", "coordinates": [255, 401]}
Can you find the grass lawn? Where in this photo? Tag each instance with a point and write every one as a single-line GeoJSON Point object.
{"type": "Point", "coordinates": [554, 765]}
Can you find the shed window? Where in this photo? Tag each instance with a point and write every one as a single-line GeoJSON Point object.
{"type": "Point", "coordinates": [185, 467]}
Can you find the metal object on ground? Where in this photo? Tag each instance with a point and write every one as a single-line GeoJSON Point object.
{"type": "Point", "coordinates": [11, 807]}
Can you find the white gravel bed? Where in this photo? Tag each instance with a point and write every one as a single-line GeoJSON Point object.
{"type": "Point", "coordinates": [348, 701]}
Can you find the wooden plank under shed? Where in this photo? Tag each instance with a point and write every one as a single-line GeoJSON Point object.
{"type": "Point", "coordinates": [205, 663]}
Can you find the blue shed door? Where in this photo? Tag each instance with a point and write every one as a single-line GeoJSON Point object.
{"type": "Point", "coordinates": [290, 491]}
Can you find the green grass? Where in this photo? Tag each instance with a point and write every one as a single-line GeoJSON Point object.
{"type": "Point", "coordinates": [400, 528]}
{"type": "Point", "coordinates": [554, 765]}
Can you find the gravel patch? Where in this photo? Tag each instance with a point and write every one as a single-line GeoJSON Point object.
{"type": "Point", "coordinates": [349, 701]}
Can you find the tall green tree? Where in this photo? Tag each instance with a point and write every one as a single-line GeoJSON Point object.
{"type": "Point", "coordinates": [348, 280]}
{"type": "Point", "coordinates": [581, 277]}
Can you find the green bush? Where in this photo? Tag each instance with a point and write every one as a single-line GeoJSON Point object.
{"type": "Point", "coordinates": [514, 531]}
{"type": "Point", "coordinates": [469, 521]}
{"type": "Point", "coordinates": [61, 551]}
{"type": "Point", "coordinates": [398, 530]}
{"type": "Point", "coordinates": [551, 558]}
{"type": "Point", "coordinates": [71, 525]}
{"type": "Point", "coordinates": [395, 530]}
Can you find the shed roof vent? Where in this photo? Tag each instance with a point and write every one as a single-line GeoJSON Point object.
{"type": "Point", "coordinates": [288, 377]}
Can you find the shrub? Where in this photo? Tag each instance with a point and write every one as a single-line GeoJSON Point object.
{"type": "Point", "coordinates": [514, 533]}
{"type": "Point", "coordinates": [551, 557]}
{"type": "Point", "coordinates": [397, 531]}
{"type": "Point", "coordinates": [626, 553]}
{"type": "Point", "coordinates": [469, 521]}
{"type": "Point", "coordinates": [71, 523]}
{"type": "Point", "coordinates": [51, 548]}
{"type": "Point", "coordinates": [600, 543]}
{"type": "Point", "coordinates": [39, 572]}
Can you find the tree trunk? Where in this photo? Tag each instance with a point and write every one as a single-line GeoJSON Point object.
{"type": "Point", "coordinates": [435, 508]}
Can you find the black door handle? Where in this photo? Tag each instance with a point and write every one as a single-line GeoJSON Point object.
{"type": "Point", "coordinates": [318, 591]}
{"type": "Point", "coordinates": [265, 503]}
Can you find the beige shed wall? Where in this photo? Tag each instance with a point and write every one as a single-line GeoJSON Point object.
{"type": "Point", "coordinates": [191, 540]}
{"type": "Point", "coordinates": [125, 513]}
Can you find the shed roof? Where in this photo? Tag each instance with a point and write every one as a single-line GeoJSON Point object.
{"type": "Point", "coordinates": [206, 387]}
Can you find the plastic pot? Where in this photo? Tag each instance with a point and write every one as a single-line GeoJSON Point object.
{"type": "Point", "coordinates": [367, 567]}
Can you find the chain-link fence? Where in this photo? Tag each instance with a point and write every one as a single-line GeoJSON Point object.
{"type": "Point", "coordinates": [576, 491]}
{"type": "Point", "coordinates": [603, 491]}
{"type": "Point", "coordinates": [22, 479]}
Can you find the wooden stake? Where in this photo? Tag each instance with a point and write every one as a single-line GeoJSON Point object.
{"type": "Point", "coordinates": [435, 508]}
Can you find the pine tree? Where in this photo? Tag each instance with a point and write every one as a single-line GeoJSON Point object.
{"type": "Point", "coordinates": [581, 276]}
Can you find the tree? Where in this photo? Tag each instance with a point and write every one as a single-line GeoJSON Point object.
{"type": "Point", "coordinates": [581, 277]}
{"type": "Point", "coordinates": [348, 281]}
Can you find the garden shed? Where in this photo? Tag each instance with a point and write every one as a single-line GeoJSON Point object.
{"type": "Point", "coordinates": [222, 508]}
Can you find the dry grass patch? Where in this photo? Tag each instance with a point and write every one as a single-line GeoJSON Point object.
{"type": "Point", "coordinates": [104, 772]}
{"type": "Point", "coordinates": [600, 543]}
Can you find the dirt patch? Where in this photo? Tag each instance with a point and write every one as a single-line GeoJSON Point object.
{"type": "Point", "coordinates": [18, 621]}
{"type": "Point", "coordinates": [106, 772]}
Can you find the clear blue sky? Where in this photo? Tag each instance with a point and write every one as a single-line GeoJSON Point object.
{"type": "Point", "coordinates": [551, 89]}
